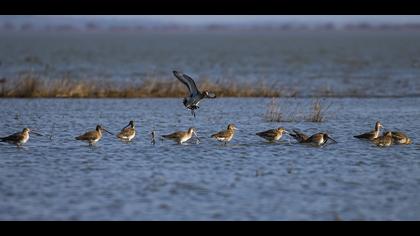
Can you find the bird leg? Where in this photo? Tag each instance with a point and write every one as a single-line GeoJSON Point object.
{"type": "Point", "coordinates": [153, 138]}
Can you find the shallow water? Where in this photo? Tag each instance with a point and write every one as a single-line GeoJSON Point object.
{"type": "Point", "coordinates": [353, 63]}
{"type": "Point", "coordinates": [61, 178]}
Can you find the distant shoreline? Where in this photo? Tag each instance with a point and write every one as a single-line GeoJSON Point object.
{"type": "Point", "coordinates": [9, 27]}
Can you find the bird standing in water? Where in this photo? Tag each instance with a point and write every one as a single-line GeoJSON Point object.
{"type": "Point", "coordinates": [18, 138]}
{"type": "Point", "coordinates": [372, 134]}
{"type": "Point", "coordinates": [181, 136]}
{"type": "Point", "coordinates": [225, 135]}
{"type": "Point", "coordinates": [93, 136]}
{"type": "Point", "coordinates": [195, 96]}
{"type": "Point", "coordinates": [272, 134]}
{"type": "Point", "coordinates": [128, 132]}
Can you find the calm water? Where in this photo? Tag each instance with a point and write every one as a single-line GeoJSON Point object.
{"type": "Point", "coordinates": [310, 63]}
{"type": "Point", "coordinates": [249, 179]}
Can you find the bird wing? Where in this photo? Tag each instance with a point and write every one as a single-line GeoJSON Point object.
{"type": "Point", "coordinates": [398, 135]}
{"type": "Point", "coordinates": [299, 136]}
{"type": "Point", "coordinates": [174, 135]}
{"type": "Point", "coordinates": [13, 138]}
{"type": "Point", "coordinates": [267, 133]}
{"type": "Point", "coordinates": [127, 132]}
{"type": "Point", "coordinates": [91, 135]}
{"type": "Point", "coordinates": [315, 138]}
{"type": "Point", "coordinates": [367, 135]}
{"type": "Point", "coordinates": [220, 134]}
{"type": "Point", "coordinates": [188, 81]}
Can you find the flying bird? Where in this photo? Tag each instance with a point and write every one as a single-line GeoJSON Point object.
{"type": "Point", "coordinates": [195, 96]}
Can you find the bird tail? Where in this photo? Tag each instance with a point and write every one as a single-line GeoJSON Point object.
{"type": "Point", "coordinates": [77, 138]}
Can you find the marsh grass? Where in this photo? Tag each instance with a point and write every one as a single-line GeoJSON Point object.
{"type": "Point", "coordinates": [283, 112]}
{"type": "Point", "coordinates": [30, 85]}
{"type": "Point", "coordinates": [318, 112]}
{"type": "Point", "coordinates": [294, 112]}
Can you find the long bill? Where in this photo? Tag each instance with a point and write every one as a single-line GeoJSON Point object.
{"type": "Point", "coordinates": [107, 131]}
{"type": "Point", "coordinates": [332, 140]}
{"type": "Point", "coordinates": [36, 133]}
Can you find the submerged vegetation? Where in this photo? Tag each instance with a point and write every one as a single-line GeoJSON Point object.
{"type": "Point", "coordinates": [287, 112]}
{"type": "Point", "coordinates": [31, 86]}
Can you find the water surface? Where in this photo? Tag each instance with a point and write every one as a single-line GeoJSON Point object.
{"type": "Point", "coordinates": [59, 178]}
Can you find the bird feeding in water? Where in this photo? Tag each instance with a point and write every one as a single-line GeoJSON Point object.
{"type": "Point", "coordinates": [128, 132]}
{"type": "Point", "coordinates": [317, 139]}
{"type": "Point", "coordinates": [19, 138]}
{"type": "Point", "coordinates": [93, 136]}
{"type": "Point", "coordinates": [299, 136]}
{"type": "Point", "coordinates": [195, 96]}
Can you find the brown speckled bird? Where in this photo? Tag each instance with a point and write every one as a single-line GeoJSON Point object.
{"type": "Point", "coordinates": [299, 136]}
{"type": "Point", "coordinates": [93, 136]}
{"type": "Point", "coordinates": [181, 136]}
{"type": "Point", "coordinates": [400, 138]}
{"type": "Point", "coordinates": [372, 134]}
{"type": "Point", "coordinates": [272, 134]}
{"type": "Point", "coordinates": [319, 139]}
{"type": "Point", "coordinates": [18, 138]}
{"type": "Point", "coordinates": [128, 132]}
{"type": "Point", "coordinates": [225, 135]}
{"type": "Point", "coordinates": [383, 141]}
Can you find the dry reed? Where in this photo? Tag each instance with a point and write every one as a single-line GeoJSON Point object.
{"type": "Point", "coordinates": [32, 86]}
{"type": "Point", "coordinates": [287, 112]}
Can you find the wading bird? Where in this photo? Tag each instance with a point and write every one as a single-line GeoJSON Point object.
{"type": "Point", "coordinates": [272, 134]}
{"type": "Point", "coordinates": [400, 138]}
{"type": "Point", "coordinates": [19, 138]}
{"type": "Point", "coordinates": [316, 139]}
{"type": "Point", "coordinates": [195, 96]}
{"type": "Point", "coordinates": [93, 136]}
{"type": "Point", "coordinates": [181, 136]}
{"type": "Point", "coordinates": [372, 134]}
{"type": "Point", "coordinates": [225, 135]}
{"type": "Point", "coordinates": [299, 136]}
{"type": "Point", "coordinates": [383, 141]}
{"type": "Point", "coordinates": [128, 132]}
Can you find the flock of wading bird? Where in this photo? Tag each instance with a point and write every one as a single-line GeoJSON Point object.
{"type": "Point", "coordinates": [191, 103]}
